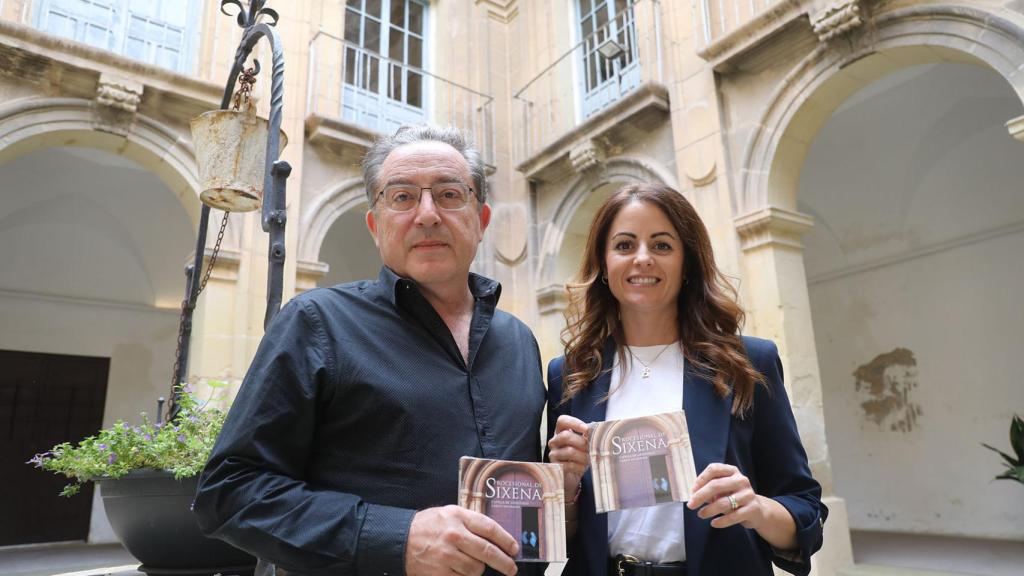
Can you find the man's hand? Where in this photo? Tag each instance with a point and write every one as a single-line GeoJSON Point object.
{"type": "Point", "coordinates": [453, 540]}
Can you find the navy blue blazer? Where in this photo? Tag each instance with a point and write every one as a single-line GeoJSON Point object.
{"type": "Point", "coordinates": [764, 445]}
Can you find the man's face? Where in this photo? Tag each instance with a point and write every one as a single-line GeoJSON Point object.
{"type": "Point", "coordinates": [432, 246]}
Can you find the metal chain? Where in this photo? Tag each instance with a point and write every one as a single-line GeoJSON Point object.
{"type": "Point", "coordinates": [171, 406]}
{"type": "Point", "coordinates": [246, 80]}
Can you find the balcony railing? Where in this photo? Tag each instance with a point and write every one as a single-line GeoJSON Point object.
{"type": "Point", "coordinates": [601, 69]}
{"type": "Point", "coordinates": [720, 17]}
{"type": "Point", "coordinates": [361, 87]}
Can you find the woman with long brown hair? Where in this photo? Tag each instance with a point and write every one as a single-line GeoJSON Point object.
{"type": "Point", "coordinates": [653, 328]}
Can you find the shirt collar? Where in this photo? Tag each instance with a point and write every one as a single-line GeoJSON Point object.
{"type": "Point", "coordinates": [393, 287]}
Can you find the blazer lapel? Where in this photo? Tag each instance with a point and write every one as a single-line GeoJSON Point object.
{"type": "Point", "coordinates": [707, 418]}
{"type": "Point", "coordinates": [590, 406]}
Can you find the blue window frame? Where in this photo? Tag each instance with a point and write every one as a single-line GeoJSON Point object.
{"type": "Point", "coordinates": [161, 32]}
{"type": "Point", "coordinates": [385, 52]}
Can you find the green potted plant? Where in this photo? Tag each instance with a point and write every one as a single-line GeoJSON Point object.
{"type": "Point", "coordinates": [147, 476]}
{"type": "Point", "coordinates": [1014, 465]}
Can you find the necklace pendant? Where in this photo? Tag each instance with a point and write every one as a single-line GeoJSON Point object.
{"type": "Point", "coordinates": [646, 372]}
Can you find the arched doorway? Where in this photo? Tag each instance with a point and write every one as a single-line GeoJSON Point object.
{"type": "Point", "coordinates": [334, 234]}
{"type": "Point", "coordinates": [565, 236]}
{"type": "Point", "coordinates": [348, 249]}
{"type": "Point", "coordinates": [91, 272]}
{"type": "Point", "coordinates": [913, 184]}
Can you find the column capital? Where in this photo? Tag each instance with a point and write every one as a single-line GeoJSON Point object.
{"type": "Point", "coordinates": [552, 299]}
{"type": "Point", "coordinates": [772, 226]}
{"type": "Point", "coordinates": [1016, 128]}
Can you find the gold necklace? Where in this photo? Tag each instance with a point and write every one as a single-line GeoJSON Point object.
{"type": "Point", "coordinates": [646, 372]}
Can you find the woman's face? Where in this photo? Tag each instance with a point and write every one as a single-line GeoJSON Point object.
{"type": "Point", "coordinates": [644, 260]}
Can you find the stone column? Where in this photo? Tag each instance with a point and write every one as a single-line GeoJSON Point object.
{"type": "Point", "coordinates": [778, 306]}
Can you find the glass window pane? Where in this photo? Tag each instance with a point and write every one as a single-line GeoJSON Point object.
{"type": "Point", "coordinates": [352, 26]}
{"type": "Point", "coordinates": [585, 7]}
{"type": "Point", "coordinates": [350, 65]}
{"type": "Point", "coordinates": [135, 48]}
{"type": "Point", "coordinates": [357, 4]}
{"type": "Point", "coordinates": [372, 71]}
{"type": "Point", "coordinates": [414, 90]}
{"type": "Point", "coordinates": [175, 12]}
{"type": "Point", "coordinates": [95, 36]}
{"type": "Point", "coordinates": [60, 25]}
{"type": "Point", "coordinates": [168, 59]}
{"type": "Point", "coordinates": [396, 45]}
{"type": "Point", "coordinates": [600, 18]}
{"type": "Point", "coordinates": [415, 52]}
{"type": "Point", "coordinates": [416, 18]}
{"type": "Point", "coordinates": [587, 27]}
{"type": "Point", "coordinates": [395, 90]}
{"type": "Point", "coordinates": [371, 35]}
{"type": "Point", "coordinates": [174, 39]}
{"type": "Point", "coordinates": [620, 6]}
{"type": "Point", "coordinates": [591, 72]}
{"type": "Point", "coordinates": [373, 8]}
{"type": "Point", "coordinates": [398, 13]}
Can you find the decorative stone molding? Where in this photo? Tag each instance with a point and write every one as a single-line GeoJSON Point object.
{"type": "Point", "coordinates": [552, 299]}
{"type": "Point", "coordinates": [308, 274]}
{"type": "Point", "coordinates": [838, 18]}
{"type": "Point", "coordinates": [117, 102]}
{"type": "Point", "coordinates": [1016, 128]}
{"type": "Point", "coordinates": [772, 227]}
{"type": "Point", "coordinates": [503, 11]}
{"type": "Point", "coordinates": [225, 269]}
{"type": "Point", "coordinates": [586, 155]}
{"type": "Point", "coordinates": [508, 231]}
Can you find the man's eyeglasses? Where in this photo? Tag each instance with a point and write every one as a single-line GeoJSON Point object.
{"type": "Point", "coordinates": [405, 197]}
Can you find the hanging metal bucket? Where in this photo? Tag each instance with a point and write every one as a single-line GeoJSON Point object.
{"type": "Point", "coordinates": [231, 153]}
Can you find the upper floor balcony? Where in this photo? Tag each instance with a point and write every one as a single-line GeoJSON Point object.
{"type": "Point", "coordinates": [611, 73]}
{"type": "Point", "coordinates": [163, 34]}
{"type": "Point", "coordinates": [728, 30]}
{"type": "Point", "coordinates": [358, 88]}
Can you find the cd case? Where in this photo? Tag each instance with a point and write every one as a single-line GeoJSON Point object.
{"type": "Point", "coordinates": [644, 461]}
{"type": "Point", "coordinates": [526, 498]}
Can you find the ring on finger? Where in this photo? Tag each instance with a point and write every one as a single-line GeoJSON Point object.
{"type": "Point", "coordinates": [733, 504]}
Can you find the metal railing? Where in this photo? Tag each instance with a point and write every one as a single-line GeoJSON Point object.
{"type": "Point", "coordinates": [720, 17]}
{"type": "Point", "coordinates": [599, 70]}
{"type": "Point", "coordinates": [360, 86]}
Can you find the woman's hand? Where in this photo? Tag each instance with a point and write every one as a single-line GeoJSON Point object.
{"type": "Point", "coordinates": [713, 489]}
{"type": "Point", "coordinates": [570, 447]}
{"type": "Point", "coordinates": [770, 519]}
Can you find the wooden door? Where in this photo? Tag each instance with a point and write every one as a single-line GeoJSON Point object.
{"type": "Point", "coordinates": [45, 399]}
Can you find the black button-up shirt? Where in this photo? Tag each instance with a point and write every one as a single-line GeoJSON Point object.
{"type": "Point", "coordinates": [354, 414]}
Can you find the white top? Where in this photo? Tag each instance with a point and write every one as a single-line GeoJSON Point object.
{"type": "Point", "coordinates": [654, 533]}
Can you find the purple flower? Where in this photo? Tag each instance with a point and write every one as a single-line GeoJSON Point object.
{"type": "Point", "coordinates": [147, 437]}
{"type": "Point", "coordinates": [181, 438]}
{"type": "Point", "coordinates": [112, 458]}
{"type": "Point", "coordinates": [101, 446]}
{"type": "Point", "coordinates": [37, 460]}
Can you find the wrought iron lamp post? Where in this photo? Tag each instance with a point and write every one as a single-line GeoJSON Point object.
{"type": "Point", "coordinates": [275, 175]}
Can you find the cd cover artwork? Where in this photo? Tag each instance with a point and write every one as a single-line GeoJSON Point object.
{"type": "Point", "coordinates": [638, 462]}
{"type": "Point", "coordinates": [525, 498]}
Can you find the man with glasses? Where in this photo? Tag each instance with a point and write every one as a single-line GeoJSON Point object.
{"type": "Point", "coordinates": [340, 453]}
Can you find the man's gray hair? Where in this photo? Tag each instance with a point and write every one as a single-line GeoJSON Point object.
{"type": "Point", "coordinates": [412, 134]}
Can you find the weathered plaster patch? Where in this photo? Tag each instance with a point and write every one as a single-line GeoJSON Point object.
{"type": "Point", "coordinates": [886, 384]}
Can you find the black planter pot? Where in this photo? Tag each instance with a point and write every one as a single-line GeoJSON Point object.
{"type": "Point", "coordinates": [151, 514]}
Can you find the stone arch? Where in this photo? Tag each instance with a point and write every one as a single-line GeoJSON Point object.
{"type": "Point", "coordinates": [31, 124]}
{"type": "Point", "coordinates": [618, 170]}
{"type": "Point", "coordinates": [322, 212]}
{"type": "Point", "coordinates": [824, 79]}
